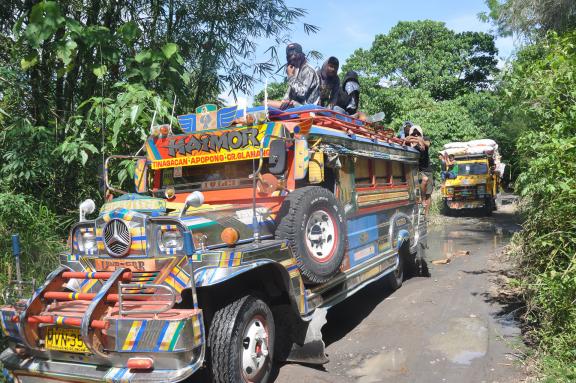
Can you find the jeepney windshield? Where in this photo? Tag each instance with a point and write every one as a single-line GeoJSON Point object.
{"type": "Point", "coordinates": [471, 169]}
{"type": "Point", "coordinates": [227, 175]}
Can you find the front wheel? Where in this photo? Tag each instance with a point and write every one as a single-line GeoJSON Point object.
{"type": "Point", "coordinates": [446, 209]}
{"type": "Point", "coordinates": [394, 280]}
{"type": "Point", "coordinates": [241, 342]}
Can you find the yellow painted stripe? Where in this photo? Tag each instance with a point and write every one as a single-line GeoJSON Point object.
{"type": "Point", "coordinates": [172, 283]}
{"type": "Point", "coordinates": [137, 231]}
{"type": "Point", "coordinates": [129, 342]}
{"type": "Point", "coordinates": [86, 288]}
{"type": "Point", "coordinates": [382, 197]}
{"type": "Point", "coordinates": [138, 245]}
{"type": "Point", "coordinates": [197, 334]}
{"type": "Point", "coordinates": [224, 258]}
{"type": "Point", "coordinates": [288, 262]}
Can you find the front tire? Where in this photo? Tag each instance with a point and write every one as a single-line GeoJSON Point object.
{"type": "Point", "coordinates": [446, 209]}
{"type": "Point", "coordinates": [241, 342]}
{"type": "Point", "coordinates": [394, 280]}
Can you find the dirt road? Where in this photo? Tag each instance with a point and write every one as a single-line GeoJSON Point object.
{"type": "Point", "coordinates": [446, 328]}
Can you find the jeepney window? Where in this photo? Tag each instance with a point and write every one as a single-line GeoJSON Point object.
{"type": "Point", "coordinates": [362, 172]}
{"type": "Point", "coordinates": [398, 173]}
{"type": "Point", "coordinates": [382, 172]}
{"type": "Point", "coordinates": [475, 168]}
{"type": "Point", "coordinates": [209, 177]}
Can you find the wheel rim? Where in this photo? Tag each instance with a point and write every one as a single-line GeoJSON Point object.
{"type": "Point", "coordinates": [255, 348]}
{"type": "Point", "coordinates": [321, 235]}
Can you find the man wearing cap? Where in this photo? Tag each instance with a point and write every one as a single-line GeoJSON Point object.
{"type": "Point", "coordinates": [418, 141]}
{"type": "Point", "coordinates": [329, 83]}
{"type": "Point", "coordinates": [303, 81]}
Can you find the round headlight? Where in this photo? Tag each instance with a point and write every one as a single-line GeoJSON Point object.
{"type": "Point", "coordinates": [171, 240]}
{"type": "Point", "coordinates": [87, 241]}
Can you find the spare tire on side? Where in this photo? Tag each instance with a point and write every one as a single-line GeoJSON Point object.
{"type": "Point", "coordinates": [312, 220]}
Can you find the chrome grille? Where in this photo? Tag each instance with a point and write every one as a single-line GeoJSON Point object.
{"type": "Point", "coordinates": [117, 238]}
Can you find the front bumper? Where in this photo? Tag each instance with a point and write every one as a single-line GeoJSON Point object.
{"type": "Point", "coordinates": [174, 340]}
{"type": "Point", "coordinates": [36, 370]}
{"type": "Point", "coordinates": [456, 204]}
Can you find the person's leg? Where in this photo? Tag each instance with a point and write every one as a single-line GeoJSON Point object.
{"type": "Point", "coordinates": [423, 186]}
{"type": "Point", "coordinates": [429, 190]}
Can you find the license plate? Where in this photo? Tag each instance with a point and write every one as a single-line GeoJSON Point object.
{"type": "Point", "coordinates": [64, 339]}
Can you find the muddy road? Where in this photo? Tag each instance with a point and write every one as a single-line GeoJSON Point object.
{"type": "Point", "coordinates": [446, 328]}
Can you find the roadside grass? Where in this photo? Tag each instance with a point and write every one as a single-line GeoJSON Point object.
{"type": "Point", "coordinates": [40, 237]}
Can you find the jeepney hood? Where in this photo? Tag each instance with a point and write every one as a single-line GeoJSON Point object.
{"type": "Point", "coordinates": [208, 221]}
{"type": "Point", "coordinates": [135, 202]}
{"type": "Point", "coordinates": [467, 181]}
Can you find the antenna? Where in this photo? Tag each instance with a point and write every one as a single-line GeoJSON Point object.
{"type": "Point", "coordinates": [266, 98]}
{"type": "Point", "coordinates": [172, 115]}
{"type": "Point", "coordinates": [153, 119]}
{"type": "Point", "coordinates": [102, 126]}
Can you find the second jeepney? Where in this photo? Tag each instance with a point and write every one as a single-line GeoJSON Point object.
{"type": "Point", "coordinates": [242, 231]}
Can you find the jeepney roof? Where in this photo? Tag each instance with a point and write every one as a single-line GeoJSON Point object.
{"type": "Point", "coordinates": [210, 129]}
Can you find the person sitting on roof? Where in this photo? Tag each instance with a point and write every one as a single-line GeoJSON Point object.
{"type": "Point", "coordinates": [329, 83]}
{"type": "Point", "coordinates": [303, 81]}
{"type": "Point", "coordinates": [349, 95]}
{"type": "Point", "coordinates": [449, 166]}
{"type": "Point", "coordinates": [405, 129]}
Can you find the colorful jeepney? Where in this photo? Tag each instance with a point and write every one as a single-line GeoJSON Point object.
{"type": "Point", "coordinates": [243, 230]}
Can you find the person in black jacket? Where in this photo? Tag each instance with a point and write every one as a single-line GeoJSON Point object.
{"type": "Point", "coordinates": [329, 83]}
{"type": "Point", "coordinates": [349, 95]}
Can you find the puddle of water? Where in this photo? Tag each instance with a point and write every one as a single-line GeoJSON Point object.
{"type": "Point", "coordinates": [466, 339]}
{"type": "Point", "coordinates": [385, 364]}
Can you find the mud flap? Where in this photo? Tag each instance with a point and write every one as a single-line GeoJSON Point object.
{"type": "Point", "coordinates": [313, 350]}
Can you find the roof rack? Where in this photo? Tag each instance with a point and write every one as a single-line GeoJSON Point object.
{"type": "Point", "coordinates": [329, 118]}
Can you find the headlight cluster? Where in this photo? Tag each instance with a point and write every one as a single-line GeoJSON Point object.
{"type": "Point", "coordinates": [449, 190]}
{"type": "Point", "coordinates": [171, 240]}
{"type": "Point", "coordinates": [86, 241]}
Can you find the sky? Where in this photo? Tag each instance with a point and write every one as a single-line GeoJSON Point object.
{"type": "Point", "coordinates": [348, 25]}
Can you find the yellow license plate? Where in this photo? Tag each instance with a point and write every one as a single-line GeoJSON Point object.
{"type": "Point", "coordinates": [64, 339]}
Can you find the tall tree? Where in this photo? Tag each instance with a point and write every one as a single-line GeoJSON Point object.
{"type": "Point", "coordinates": [83, 77]}
{"type": "Point", "coordinates": [427, 55]}
{"type": "Point", "coordinates": [531, 19]}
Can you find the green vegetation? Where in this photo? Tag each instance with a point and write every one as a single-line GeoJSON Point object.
{"type": "Point", "coordinates": [79, 80]}
{"type": "Point", "coordinates": [542, 89]}
{"type": "Point", "coordinates": [539, 99]}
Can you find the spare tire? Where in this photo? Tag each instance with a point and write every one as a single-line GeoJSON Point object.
{"type": "Point", "coordinates": [312, 220]}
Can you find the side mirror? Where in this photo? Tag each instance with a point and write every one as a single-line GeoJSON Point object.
{"type": "Point", "coordinates": [86, 207]}
{"type": "Point", "coordinates": [277, 160]}
{"type": "Point", "coordinates": [194, 199]}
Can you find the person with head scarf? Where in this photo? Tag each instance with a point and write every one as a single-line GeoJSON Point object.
{"type": "Point", "coordinates": [349, 95]}
{"type": "Point", "coordinates": [418, 141]}
{"type": "Point", "coordinates": [329, 83]}
{"type": "Point", "coordinates": [405, 129]}
{"type": "Point", "coordinates": [303, 81]}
